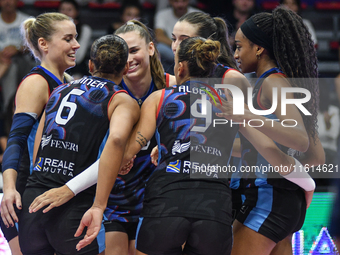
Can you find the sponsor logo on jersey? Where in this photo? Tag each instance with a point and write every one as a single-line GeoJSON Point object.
{"type": "Point", "coordinates": [174, 167]}
{"type": "Point", "coordinates": [243, 209]}
{"type": "Point", "coordinates": [45, 140]}
{"type": "Point", "coordinates": [57, 166]}
{"type": "Point", "coordinates": [180, 148]}
{"type": "Point", "coordinates": [39, 164]}
{"type": "Point", "coordinates": [59, 144]}
{"type": "Point", "coordinates": [207, 150]}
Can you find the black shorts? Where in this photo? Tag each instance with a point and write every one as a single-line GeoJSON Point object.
{"type": "Point", "coordinates": [273, 212]}
{"type": "Point", "coordinates": [166, 236]}
{"type": "Point", "coordinates": [130, 228]}
{"type": "Point", "coordinates": [53, 232]}
{"type": "Point", "coordinates": [237, 198]}
{"type": "Point", "coordinates": [9, 232]}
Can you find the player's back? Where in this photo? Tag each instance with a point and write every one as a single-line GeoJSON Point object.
{"type": "Point", "coordinates": [76, 122]}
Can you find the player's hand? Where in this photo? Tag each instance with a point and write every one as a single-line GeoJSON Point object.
{"type": "Point", "coordinates": [126, 169]}
{"type": "Point", "coordinates": [154, 155]}
{"type": "Point", "coordinates": [309, 197]}
{"type": "Point", "coordinates": [227, 107]}
{"type": "Point", "coordinates": [92, 219]}
{"type": "Point", "coordinates": [8, 215]}
{"type": "Point", "coordinates": [53, 198]}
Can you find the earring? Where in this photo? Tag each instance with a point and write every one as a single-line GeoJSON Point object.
{"type": "Point", "coordinates": [258, 56]}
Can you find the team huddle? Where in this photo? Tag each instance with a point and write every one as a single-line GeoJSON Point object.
{"type": "Point", "coordinates": [142, 136]}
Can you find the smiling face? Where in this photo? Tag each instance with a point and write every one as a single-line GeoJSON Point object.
{"type": "Point", "coordinates": [181, 31]}
{"type": "Point", "coordinates": [139, 55]}
{"type": "Point", "coordinates": [62, 46]}
{"type": "Point", "coordinates": [245, 53]}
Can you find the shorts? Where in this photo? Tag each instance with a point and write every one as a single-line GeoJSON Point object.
{"type": "Point", "coordinates": [273, 212]}
{"type": "Point", "coordinates": [237, 197]}
{"type": "Point", "coordinates": [166, 235]}
{"type": "Point", "coordinates": [130, 228]}
{"type": "Point", "coordinates": [53, 232]}
{"type": "Point", "coordinates": [9, 232]}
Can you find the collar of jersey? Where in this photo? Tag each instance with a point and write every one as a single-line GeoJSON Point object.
{"type": "Point", "coordinates": [52, 75]}
{"type": "Point", "coordinates": [102, 79]}
{"type": "Point", "coordinates": [152, 85]}
{"type": "Point", "coordinates": [266, 73]}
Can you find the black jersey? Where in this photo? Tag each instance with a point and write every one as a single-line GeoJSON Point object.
{"type": "Point", "coordinates": [221, 71]}
{"type": "Point", "coordinates": [187, 181]}
{"type": "Point", "coordinates": [250, 157]}
{"type": "Point", "coordinates": [76, 123]}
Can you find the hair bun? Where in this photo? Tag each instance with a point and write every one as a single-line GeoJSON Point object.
{"type": "Point", "coordinates": [209, 50]}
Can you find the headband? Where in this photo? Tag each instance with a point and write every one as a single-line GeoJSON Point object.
{"type": "Point", "coordinates": [256, 35]}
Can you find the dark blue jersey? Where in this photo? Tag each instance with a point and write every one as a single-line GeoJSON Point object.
{"type": "Point", "coordinates": [126, 198]}
{"type": "Point", "coordinates": [190, 180]}
{"type": "Point", "coordinates": [221, 71]}
{"type": "Point", "coordinates": [75, 125]}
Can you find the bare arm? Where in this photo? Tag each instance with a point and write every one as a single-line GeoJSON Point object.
{"type": "Point", "coordinates": [266, 147]}
{"type": "Point", "coordinates": [295, 136]}
{"type": "Point", "coordinates": [315, 154]}
{"type": "Point", "coordinates": [236, 152]}
{"type": "Point", "coordinates": [146, 127]}
{"type": "Point", "coordinates": [125, 115]}
{"type": "Point", "coordinates": [236, 78]}
{"type": "Point", "coordinates": [36, 89]}
{"type": "Point", "coordinates": [292, 137]}
{"type": "Point", "coordinates": [109, 166]}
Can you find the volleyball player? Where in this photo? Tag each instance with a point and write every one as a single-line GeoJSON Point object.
{"type": "Point", "coordinates": [177, 208]}
{"type": "Point", "coordinates": [77, 117]}
{"type": "Point", "coordinates": [145, 75]}
{"type": "Point", "coordinates": [275, 208]}
{"type": "Point", "coordinates": [51, 37]}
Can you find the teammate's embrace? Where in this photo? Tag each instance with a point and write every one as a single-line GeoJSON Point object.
{"type": "Point", "coordinates": [178, 209]}
{"type": "Point", "coordinates": [76, 119]}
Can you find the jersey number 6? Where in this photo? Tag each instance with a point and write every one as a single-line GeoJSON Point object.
{"type": "Point", "coordinates": [61, 120]}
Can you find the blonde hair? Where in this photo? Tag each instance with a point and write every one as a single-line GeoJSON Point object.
{"type": "Point", "coordinates": [40, 27]}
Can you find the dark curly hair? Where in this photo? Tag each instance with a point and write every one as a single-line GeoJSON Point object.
{"type": "Point", "coordinates": [294, 51]}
